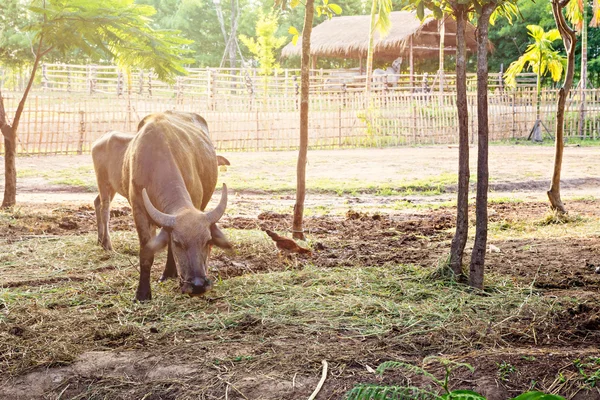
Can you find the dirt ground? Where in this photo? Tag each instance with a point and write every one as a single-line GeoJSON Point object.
{"type": "Point", "coordinates": [552, 349]}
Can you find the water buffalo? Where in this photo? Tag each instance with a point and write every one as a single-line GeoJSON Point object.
{"type": "Point", "coordinates": [168, 173]}
{"type": "Point", "coordinates": [389, 76]}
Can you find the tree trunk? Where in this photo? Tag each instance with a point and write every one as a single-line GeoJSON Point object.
{"type": "Point", "coordinates": [233, 35]}
{"type": "Point", "coordinates": [370, 48]}
{"type": "Point", "coordinates": [569, 41]}
{"type": "Point", "coordinates": [10, 134]}
{"type": "Point", "coordinates": [462, 203]}
{"type": "Point", "coordinates": [583, 74]}
{"type": "Point", "coordinates": [10, 168]}
{"type": "Point", "coordinates": [10, 172]}
{"type": "Point", "coordinates": [297, 226]}
{"type": "Point", "coordinates": [478, 254]}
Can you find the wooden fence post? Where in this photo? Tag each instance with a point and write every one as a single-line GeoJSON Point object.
{"type": "Point", "coordinates": [44, 77]}
{"type": "Point", "coordinates": [68, 78]}
{"type": "Point", "coordinates": [297, 87]}
{"type": "Point", "coordinates": [514, 122]}
{"type": "Point", "coordinates": [178, 90]}
{"type": "Point", "coordinates": [257, 130]}
{"type": "Point", "coordinates": [211, 89]}
{"type": "Point", "coordinates": [119, 83]}
{"type": "Point", "coordinates": [141, 82]}
{"type": "Point", "coordinates": [81, 132]}
{"type": "Point", "coordinates": [339, 125]}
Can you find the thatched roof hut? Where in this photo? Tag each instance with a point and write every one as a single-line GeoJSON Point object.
{"type": "Point", "coordinates": [348, 37]}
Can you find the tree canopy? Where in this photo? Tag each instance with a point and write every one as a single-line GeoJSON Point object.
{"type": "Point", "coordinates": [199, 23]}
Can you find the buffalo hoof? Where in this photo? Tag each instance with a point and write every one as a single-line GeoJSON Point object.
{"type": "Point", "coordinates": [168, 274]}
{"type": "Point", "coordinates": [105, 246]}
{"type": "Point", "coordinates": [143, 296]}
{"type": "Point", "coordinates": [164, 277]}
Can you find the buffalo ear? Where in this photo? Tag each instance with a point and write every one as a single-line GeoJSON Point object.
{"type": "Point", "coordinates": [218, 238]}
{"type": "Point", "coordinates": [143, 122]}
{"type": "Point", "coordinates": [158, 242]}
{"type": "Point", "coordinates": [200, 121]}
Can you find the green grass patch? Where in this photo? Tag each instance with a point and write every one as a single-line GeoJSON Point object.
{"type": "Point", "coordinates": [505, 200]}
{"type": "Point", "coordinates": [82, 177]}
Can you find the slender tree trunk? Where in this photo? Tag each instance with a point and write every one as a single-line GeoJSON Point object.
{"type": "Point", "coordinates": [297, 226]}
{"type": "Point", "coordinates": [583, 74]}
{"type": "Point", "coordinates": [10, 134]}
{"type": "Point", "coordinates": [569, 41]}
{"type": "Point", "coordinates": [462, 203]}
{"type": "Point", "coordinates": [10, 150]}
{"type": "Point", "coordinates": [370, 48]}
{"type": "Point", "coordinates": [478, 255]}
{"type": "Point", "coordinates": [233, 35]}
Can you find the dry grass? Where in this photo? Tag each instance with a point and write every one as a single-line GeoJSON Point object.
{"type": "Point", "coordinates": [67, 297]}
{"type": "Point", "coordinates": [61, 296]}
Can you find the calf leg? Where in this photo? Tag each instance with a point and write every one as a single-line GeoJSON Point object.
{"type": "Point", "coordinates": [102, 206]}
{"type": "Point", "coordinates": [144, 230]}
{"type": "Point", "coordinates": [170, 268]}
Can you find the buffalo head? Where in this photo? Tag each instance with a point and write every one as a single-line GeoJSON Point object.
{"type": "Point", "coordinates": [192, 233]}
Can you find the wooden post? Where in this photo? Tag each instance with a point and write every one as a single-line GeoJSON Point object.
{"type": "Point", "coordinates": [441, 62]}
{"type": "Point", "coordinates": [141, 82]}
{"type": "Point", "coordinates": [411, 63]}
{"type": "Point", "coordinates": [514, 122]}
{"type": "Point", "coordinates": [44, 77]}
{"type": "Point", "coordinates": [119, 83]}
{"type": "Point", "coordinates": [340, 125]}
{"type": "Point", "coordinates": [68, 78]}
{"type": "Point", "coordinates": [257, 131]}
{"type": "Point", "coordinates": [81, 132]}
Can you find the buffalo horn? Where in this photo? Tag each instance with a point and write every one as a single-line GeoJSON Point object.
{"type": "Point", "coordinates": [214, 215]}
{"type": "Point", "coordinates": [163, 220]}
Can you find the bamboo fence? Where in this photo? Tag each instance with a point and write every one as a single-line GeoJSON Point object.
{"type": "Point", "coordinates": [66, 113]}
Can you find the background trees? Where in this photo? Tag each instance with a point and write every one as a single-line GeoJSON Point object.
{"type": "Point", "coordinates": [115, 28]}
{"type": "Point", "coordinates": [197, 20]}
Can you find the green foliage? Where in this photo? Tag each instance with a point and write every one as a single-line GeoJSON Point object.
{"type": "Point", "coordinates": [588, 370]}
{"type": "Point", "coordinates": [538, 396]}
{"type": "Point", "coordinates": [377, 392]}
{"type": "Point", "coordinates": [328, 9]}
{"type": "Point", "coordinates": [509, 38]}
{"type": "Point", "coordinates": [15, 46]}
{"type": "Point", "coordinates": [505, 370]}
{"type": "Point", "coordinates": [396, 392]}
{"type": "Point", "coordinates": [540, 56]}
{"type": "Point", "coordinates": [383, 392]}
{"type": "Point", "coordinates": [116, 28]}
{"type": "Point", "coordinates": [463, 395]}
{"type": "Point", "coordinates": [382, 8]}
{"type": "Point", "coordinates": [266, 42]}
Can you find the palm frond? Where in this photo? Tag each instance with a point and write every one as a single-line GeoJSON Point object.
{"type": "Point", "coordinates": [378, 392]}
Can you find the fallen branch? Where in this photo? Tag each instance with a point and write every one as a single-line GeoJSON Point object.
{"type": "Point", "coordinates": [321, 382]}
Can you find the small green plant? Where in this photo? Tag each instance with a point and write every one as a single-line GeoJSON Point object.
{"type": "Point", "coordinates": [588, 370]}
{"type": "Point", "coordinates": [376, 392]}
{"type": "Point", "coordinates": [381, 392]}
{"type": "Point", "coordinates": [538, 396]}
{"type": "Point", "coordinates": [505, 370]}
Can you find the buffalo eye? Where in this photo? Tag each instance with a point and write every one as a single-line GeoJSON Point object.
{"type": "Point", "coordinates": [177, 243]}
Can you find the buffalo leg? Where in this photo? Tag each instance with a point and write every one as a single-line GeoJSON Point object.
{"type": "Point", "coordinates": [102, 206]}
{"type": "Point", "coordinates": [170, 268]}
{"type": "Point", "coordinates": [144, 230]}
